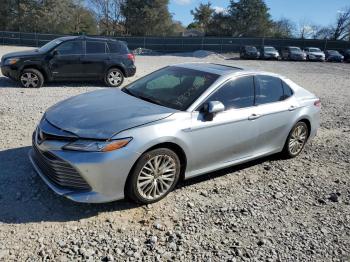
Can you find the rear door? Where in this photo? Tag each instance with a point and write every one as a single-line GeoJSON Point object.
{"type": "Point", "coordinates": [95, 59]}
{"type": "Point", "coordinates": [66, 61]}
{"type": "Point", "coordinates": [275, 108]}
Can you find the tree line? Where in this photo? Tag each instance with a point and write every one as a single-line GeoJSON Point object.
{"type": "Point", "coordinates": [241, 18]}
{"type": "Point", "coordinates": [251, 18]}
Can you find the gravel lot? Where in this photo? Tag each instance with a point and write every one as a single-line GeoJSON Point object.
{"type": "Point", "coordinates": [267, 210]}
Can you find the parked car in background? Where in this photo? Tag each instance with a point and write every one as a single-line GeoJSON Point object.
{"type": "Point", "coordinates": [249, 52]}
{"type": "Point", "coordinates": [346, 54]}
{"type": "Point", "coordinates": [314, 54]}
{"type": "Point", "coordinates": [269, 52]}
{"type": "Point", "coordinates": [175, 123]}
{"type": "Point", "coordinates": [71, 58]}
{"type": "Point", "coordinates": [334, 56]}
{"type": "Point", "coordinates": [293, 53]}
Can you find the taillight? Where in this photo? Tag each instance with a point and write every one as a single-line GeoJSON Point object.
{"type": "Point", "coordinates": [317, 103]}
{"type": "Point", "coordinates": [131, 57]}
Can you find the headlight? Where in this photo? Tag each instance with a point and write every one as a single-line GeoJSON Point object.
{"type": "Point", "coordinates": [11, 61]}
{"type": "Point", "coordinates": [97, 146]}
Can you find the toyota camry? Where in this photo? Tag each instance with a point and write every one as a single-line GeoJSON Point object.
{"type": "Point", "coordinates": [176, 123]}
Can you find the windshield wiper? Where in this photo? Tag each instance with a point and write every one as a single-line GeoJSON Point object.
{"type": "Point", "coordinates": [125, 90]}
{"type": "Point", "coordinates": [145, 98]}
{"type": "Point", "coordinates": [149, 99]}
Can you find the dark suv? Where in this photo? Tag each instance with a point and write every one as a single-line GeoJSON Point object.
{"type": "Point", "coordinates": [71, 58]}
{"type": "Point", "coordinates": [249, 52]}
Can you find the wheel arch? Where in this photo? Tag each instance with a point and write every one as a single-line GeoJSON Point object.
{"type": "Point", "coordinates": [120, 67]}
{"type": "Point", "coordinates": [307, 122]}
{"type": "Point", "coordinates": [169, 145]}
{"type": "Point", "coordinates": [37, 67]}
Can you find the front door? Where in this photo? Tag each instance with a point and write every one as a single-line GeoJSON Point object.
{"type": "Point", "coordinates": [65, 62]}
{"type": "Point", "coordinates": [231, 134]}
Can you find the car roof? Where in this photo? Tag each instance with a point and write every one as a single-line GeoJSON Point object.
{"type": "Point", "coordinates": [66, 38]}
{"type": "Point", "coordinates": [223, 70]}
{"type": "Point", "coordinates": [217, 69]}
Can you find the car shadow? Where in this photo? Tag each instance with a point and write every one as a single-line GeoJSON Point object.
{"type": "Point", "coordinates": [24, 197]}
{"type": "Point", "coordinates": [229, 170]}
{"type": "Point", "coordinates": [6, 82]}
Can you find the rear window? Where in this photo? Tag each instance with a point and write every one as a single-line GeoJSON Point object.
{"type": "Point", "coordinates": [268, 89]}
{"type": "Point", "coordinates": [114, 47]}
{"type": "Point", "coordinates": [287, 91]}
{"type": "Point", "coordinates": [95, 47]}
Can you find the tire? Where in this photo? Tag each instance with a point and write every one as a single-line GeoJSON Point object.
{"type": "Point", "coordinates": [296, 140]}
{"type": "Point", "coordinates": [139, 190]}
{"type": "Point", "coordinates": [114, 77]}
{"type": "Point", "coordinates": [31, 78]}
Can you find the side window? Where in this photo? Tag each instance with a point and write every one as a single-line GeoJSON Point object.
{"type": "Point", "coordinates": [238, 93]}
{"type": "Point", "coordinates": [114, 47]}
{"type": "Point", "coordinates": [70, 48]}
{"type": "Point", "coordinates": [287, 91]}
{"type": "Point", "coordinates": [95, 47]}
{"type": "Point", "coordinates": [268, 89]}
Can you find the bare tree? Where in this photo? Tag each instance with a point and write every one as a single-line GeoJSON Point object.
{"type": "Point", "coordinates": [109, 15]}
{"type": "Point", "coordinates": [341, 30]}
{"type": "Point", "coordinates": [306, 29]}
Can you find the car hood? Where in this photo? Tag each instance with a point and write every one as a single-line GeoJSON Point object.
{"type": "Point", "coordinates": [317, 53]}
{"type": "Point", "coordinates": [271, 52]}
{"type": "Point", "coordinates": [104, 113]}
{"type": "Point", "coordinates": [28, 53]}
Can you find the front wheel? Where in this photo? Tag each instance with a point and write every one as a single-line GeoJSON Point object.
{"type": "Point", "coordinates": [296, 140]}
{"type": "Point", "coordinates": [114, 77]}
{"type": "Point", "coordinates": [31, 78]}
{"type": "Point", "coordinates": [155, 175]}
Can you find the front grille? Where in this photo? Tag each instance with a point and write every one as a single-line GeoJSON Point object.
{"type": "Point", "coordinates": [59, 171]}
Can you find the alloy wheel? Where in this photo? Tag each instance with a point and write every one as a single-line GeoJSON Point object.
{"type": "Point", "coordinates": [156, 177]}
{"type": "Point", "coordinates": [297, 139]}
{"type": "Point", "coordinates": [29, 80]}
{"type": "Point", "coordinates": [114, 78]}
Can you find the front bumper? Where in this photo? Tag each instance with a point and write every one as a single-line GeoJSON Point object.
{"type": "Point", "coordinates": [10, 72]}
{"type": "Point", "coordinates": [105, 173]}
{"type": "Point", "coordinates": [316, 58]}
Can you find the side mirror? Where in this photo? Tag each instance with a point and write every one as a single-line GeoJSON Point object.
{"type": "Point", "coordinates": [55, 53]}
{"type": "Point", "coordinates": [211, 108]}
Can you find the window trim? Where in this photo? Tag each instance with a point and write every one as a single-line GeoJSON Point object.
{"type": "Point", "coordinates": [197, 108]}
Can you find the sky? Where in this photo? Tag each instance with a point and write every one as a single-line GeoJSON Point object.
{"type": "Point", "coordinates": [320, 12]}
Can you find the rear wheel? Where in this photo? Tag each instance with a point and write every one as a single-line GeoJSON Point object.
{"type": "Point", "coordinates": [114, 77]}
{"type": "Point", "coordinates": [296, 140]}
{"type": "Point", "coordinates": [155, 175]}
{"type": "Point", "coordinates": [31, 78]}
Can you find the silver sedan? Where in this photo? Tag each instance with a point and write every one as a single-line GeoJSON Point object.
{"type": "Point", "coordinates": [176, 123]}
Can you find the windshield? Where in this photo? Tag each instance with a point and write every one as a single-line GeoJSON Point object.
{"type": "Point", "coordinates": [251, 48]}
{"type": "Point", "coordinates": [49, 45]}
{"type": "Point", "coordinates": [295, 49]}
{"type": "Point", "coordinates": [173, 87]}
{"type": "Point", "coordinates": [333, 52]}
{"type": "Point", "coordinates": [269, 49]}
{"type": "Point", "coordinates": [314, 50]}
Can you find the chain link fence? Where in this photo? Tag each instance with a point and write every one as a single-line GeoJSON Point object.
{"type": "Point", "coordinates": [181, 44]}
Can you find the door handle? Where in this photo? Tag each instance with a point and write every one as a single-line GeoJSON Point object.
{"type": "Point", "coordinates": [254, 116]}
{"type": "Point", "coordinates": [292, 108]}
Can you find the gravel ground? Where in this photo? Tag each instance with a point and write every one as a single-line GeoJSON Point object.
{"type": "Point", "coordinates": [267, 210]}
